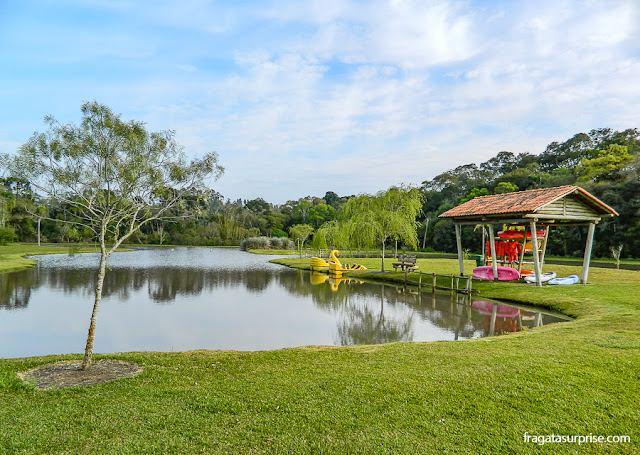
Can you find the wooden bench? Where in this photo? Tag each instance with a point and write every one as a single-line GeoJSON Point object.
{"type": "Point", "coordinates": [407, 262]}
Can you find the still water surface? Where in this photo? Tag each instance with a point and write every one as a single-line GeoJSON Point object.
{"type": "Point", "coordinates": [201, 298]}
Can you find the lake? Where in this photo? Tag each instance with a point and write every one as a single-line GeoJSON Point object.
{"type": "Point", "coordinates": [177, 299]}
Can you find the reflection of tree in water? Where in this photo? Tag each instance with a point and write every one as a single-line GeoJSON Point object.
{"type": "Point", "coordinates": [361, 307]}
{"type": "Point", "coordinates": [15, 291]}
{"type": "Point", "coordinates": [257, 280]}
{"type": "Point", "coordinates": [298, 283]}
{"type": "Point", "coordinates": [366, 323]}
{"type": "Point", "coordinates": [450, 313]}
{"type": "Point", "coordinates": [164, 284]}
{"type": "Point", "coordinates": [443, 311]}
{"type": "Point", "coordinates": [329, 295]}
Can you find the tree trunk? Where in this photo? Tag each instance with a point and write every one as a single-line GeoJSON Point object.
{"type": "Point", "coordinates": [160, 232]}
{"type": "Point", "coordinates": [382, 267]}
{"type": "Point", "coordinates": [88, 350]}
{"type": "Point", "coordinates": [424, 238]}
{"type": "Point", "coordinates": [39, 230]}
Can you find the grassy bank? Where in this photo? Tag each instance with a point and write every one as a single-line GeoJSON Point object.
{"type": "Point", "coordinates": [478, 396]}
{"type": "Point", "coordinates": [12, 256]}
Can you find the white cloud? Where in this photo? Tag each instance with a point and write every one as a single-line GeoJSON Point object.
{"type": "Point", "coordinates": [188, 68]}
{"type": "Point", "coordinates": [304, 97]}
{"type": "Point", "coordinates": [408, 34]}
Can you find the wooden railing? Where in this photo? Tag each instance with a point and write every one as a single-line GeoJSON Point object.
{"type": "Point", "coordinates": [453, 282]}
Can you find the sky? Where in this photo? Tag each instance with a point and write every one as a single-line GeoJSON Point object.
{"type": "Point", "coordinates": [303, 97]}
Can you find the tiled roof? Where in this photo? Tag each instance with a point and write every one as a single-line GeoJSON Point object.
{"type": "Point", "coordinates": [522, 202]}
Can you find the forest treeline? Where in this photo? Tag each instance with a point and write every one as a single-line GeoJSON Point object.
{"type": "Point", "coordinates": [605, 162]}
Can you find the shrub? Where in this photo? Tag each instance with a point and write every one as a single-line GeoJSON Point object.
{"type": "Point", "coordinates": [279, 233]}
{"type": "Point", "coordinates": [7, 234]}
{"type": "Point", "coordinates": [264, 243]}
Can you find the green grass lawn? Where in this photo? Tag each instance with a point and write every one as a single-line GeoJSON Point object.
{"type": "Point", "coordinates": [478, 397]}
{"type": "Point", "coordinates": [596, 260]}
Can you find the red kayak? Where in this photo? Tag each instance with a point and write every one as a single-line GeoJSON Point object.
{"type": "Point", "coordinates": [504, 273]}
{"type": "Point", "coordinates": [511, 234]}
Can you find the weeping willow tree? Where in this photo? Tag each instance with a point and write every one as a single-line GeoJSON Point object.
{"type": "Point", "coordinates": [331, 234]}
{"type": "Point", "coordinates": [372, 220]}
{"type": "Point", "coordinates": [113, 176]}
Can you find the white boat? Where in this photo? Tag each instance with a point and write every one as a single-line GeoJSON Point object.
{"type": "Point", "coordinates": [544, 278]}
{"type": "Point", "coordinates": [571, 279]}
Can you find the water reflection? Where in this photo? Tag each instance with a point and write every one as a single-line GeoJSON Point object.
{"type": "Point", "coordinates": [164, 284]}
{"type": "Point", "coordinates": [499, 318]}
{"type": "Point", "coordinates": [195, 298]}
{"type": "Point", "coordinates": [364, 323]}
{"type": "Point", "coordinates": [15, 292]}
{"type": "Point", "coordinates": [458, 312]}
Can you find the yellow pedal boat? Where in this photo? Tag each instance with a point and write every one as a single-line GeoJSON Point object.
{"type": "Point", "coordinates": [334, 267]}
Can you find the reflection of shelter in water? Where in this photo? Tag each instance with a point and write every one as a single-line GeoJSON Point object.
{"type": "Point", "coordinates": [501, 325]}
{"type": "Point", "coordinates": [470, 319]}
{"type": "Point", "coordinates": [500, 318]}
{"type": "Point", "coordinates": [504, 318]}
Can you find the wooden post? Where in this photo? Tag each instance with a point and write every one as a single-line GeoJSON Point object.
{"type": "Point", "coordinates": [459, 243]}
{"type": "Point", "coordinates": [544, 246]}
{"type": "Point", "coordinates": [451, 283]}
{"type": "Point", "coordinates": [483, 250]}
{"type": "Point", "coordinates": [537, 320]}
{"type": "Point", "coordinates": [419, 281]}
{"type": "Point", "coordinates": [494, 313]}
{"type": "Point", "coordinates": [458, 321]}
{"type": "Point", "coordinates": [524, 242]}
{"type": "Point", "coordinates": [494, 259]}
{"type": "Point", "coordinates": [536, 257]}
{"type": "Point", "coordinates": [587, 253]}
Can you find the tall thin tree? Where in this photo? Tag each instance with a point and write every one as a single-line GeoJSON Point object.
{"type": "Point", "coordinates": [114, 177]}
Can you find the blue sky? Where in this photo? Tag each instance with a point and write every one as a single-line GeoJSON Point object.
{"type": "Point", "coordinates": [303, 97]}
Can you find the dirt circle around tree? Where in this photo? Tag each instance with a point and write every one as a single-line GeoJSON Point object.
{"type": "Point", "coordinates": [69, 373]}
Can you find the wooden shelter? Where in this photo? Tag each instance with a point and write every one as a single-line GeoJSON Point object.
{"type": "Point", "coordinates": [535, 209]}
